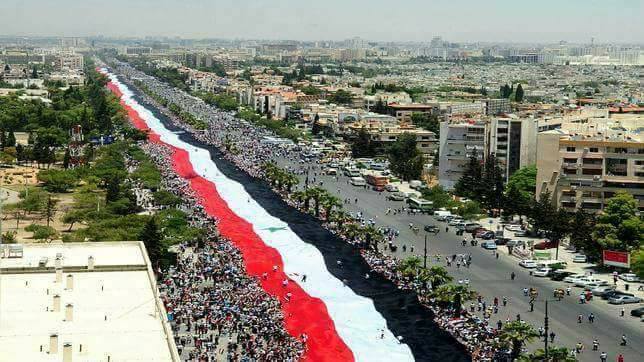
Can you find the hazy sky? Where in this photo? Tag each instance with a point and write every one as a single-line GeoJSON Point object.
{"type": "Point", "coordinates": [415, 20]}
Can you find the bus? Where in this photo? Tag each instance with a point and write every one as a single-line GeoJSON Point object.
{"type": "Point", "coordinates": [415, 203]}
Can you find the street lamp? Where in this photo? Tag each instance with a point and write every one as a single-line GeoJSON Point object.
{"type": "Point", "coordinates": [425, 253]}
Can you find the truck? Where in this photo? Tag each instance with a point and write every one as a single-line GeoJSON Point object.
{"type": "Point", "coordinates": [375, 180]}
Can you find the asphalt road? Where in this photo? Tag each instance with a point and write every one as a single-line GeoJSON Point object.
{"type": "Point", "coordinates": [491, 277]}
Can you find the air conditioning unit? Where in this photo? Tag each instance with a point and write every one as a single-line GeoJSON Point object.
{"type": "Point", "coordinates": [596, 178]}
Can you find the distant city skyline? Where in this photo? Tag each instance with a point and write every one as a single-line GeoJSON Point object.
{"type": "Point", "coordinates": [546, 21]}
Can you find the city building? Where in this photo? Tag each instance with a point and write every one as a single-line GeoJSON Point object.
{"type": "Point", "coordinates": [457, 143]}
{"type": "Point", "coordinates": [585, 164]}
{"type": "Point", "coordinates": [93, 301]}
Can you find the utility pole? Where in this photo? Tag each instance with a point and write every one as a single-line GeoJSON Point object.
{"type": "Point", "coordinates": [545, 326]}
{"type": "Point", "coordinates": [425, 253]}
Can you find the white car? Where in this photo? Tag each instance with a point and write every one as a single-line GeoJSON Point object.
{"type": "Point", "coordinates": [542, 272]}
{"type": "Point", "coordinates": [513, 228]}
{"type": "Point", "coordinates": [581, 282]}
{"type": "Point", "coordinates": [579, 258]}
{"type": "Point", "coordinates": [391, 188]}
{"type": "Point", "coordinates": [594, 285]}
{"type": "Point", "coordinates": [629, 277]}
{"type": "Point", "coordinates": [455, 221]}
{"type": "Point", "coordinates": [573, 278]}
{"type": "Point", "coordinates": [528, 263]}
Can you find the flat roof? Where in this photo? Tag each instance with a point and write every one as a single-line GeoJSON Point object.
{"type": "Point", "coordinates": [115, 314]}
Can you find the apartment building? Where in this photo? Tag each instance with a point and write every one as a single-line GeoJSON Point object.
{"type": "Point", "coordinates": [69, 61]}
{"type": "Point", "coordinates": [458, 141]}
{"type": "Point", "coordinates": [404, 111]}
{"type": "Point", "coordinates": [584, 165]}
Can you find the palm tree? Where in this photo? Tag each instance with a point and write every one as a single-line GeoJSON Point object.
{"type": "Point", "coordinates": [298, 196]}
{"type": "Point", "coordinates": [317, 194]}
{"type": "Point", "coordinates": [289, 181]}
{"type": "Point", "coordinates": [436, 276]}
{"type": "Point", "coordinates": [555, 354]}
{"type": "Point", "coordinates": [329, 203]}
{"type": "Point", "coordinates": [515, 334]}
{"type": "Point", "coordinates": [340, 217]}
{"type": "Point", "coordinates": [352, 231]}
{"type": "Point", "coordinates": [409, 267]}
{"type": "Point", "coordinates": [455, 295]}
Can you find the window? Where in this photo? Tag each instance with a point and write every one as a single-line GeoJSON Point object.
{"type": "Point", "coordinates": [425, 137]}
{"type": "Point", "coordinates": [392, 137]}
{"type": "Point", "coordinates": [570, 149]}
{"type": "Point", "coordinates": [594, 149]}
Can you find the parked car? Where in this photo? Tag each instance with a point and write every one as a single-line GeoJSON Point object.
{"type": "Point", "coordinates": [579, 258]}
{"type": "Point", "coordinates": [396, 196]}
{"type": "Point", "coordinates": [624, 299]}
{"type": "Point", "coordinates": [471, 226]}
{"type": "Point", "coordinates": [455, 221]}
{"type": "Point", "coordinates": [501, 241]}
{"type": "Point", "coordinates": [573, 278]}
{"type": "Point", "coordinates": [599, 291]}
{"type": "Point", "coordinates": [615, 293]}
{"type": "Point", "coordinates": [488, 235]}
{"type": "Point", "coordinates": [629, 277]}
{"type": "Point", "coordinates": [559, 275]}
{"type": "Point", "coordinates": [637, 312]}
{"type": "Point", "coordinates": [528, 263]}
{"type": "Point", "coordinates": [515, 242]}
{"type": "Point", "coordinates": [513, 228]}
{"type": "Point", "coordinates": [593, 285]}
{"type": "Point", "coordinates": [520, 233]}
{"type": "Point", "coordinates": [480, 231]}
{"type": "Point", "coordinates": [391, 188]}
{"type": "Point", "coordinates": [431, 228]}
{"type": "Point", "coordinates": [378, 188]}
{"type": "Point", "coordinates": [546, 245]}
{"type": "Point", "coordinates": [489, 245]}
{"type": "Point", "coordinates": [542, 272]}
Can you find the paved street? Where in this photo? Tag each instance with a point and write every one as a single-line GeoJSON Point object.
{"type": "Point", "coordinates": [491, 277]}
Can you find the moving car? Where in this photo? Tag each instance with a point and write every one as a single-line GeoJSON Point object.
{"type": "Point", "coordinates": [579, 258]}
{"type": "Point", "coordinates": [599, 291]}
{"type": "Point", "coordinates": [431, 228]}
{"type": "Point", "coordinates": [358, 181]}
{"type": "Point", "coordinates": [629, 277]}
{"type": "Point", "coordinates": [331, 171]}
{"type": "Point", "coordinates": [638, 312]}
{"type": "Point", "coordinates": [489, 245]}
{"type": "Point", "coordinates": [624, 299]}
{"type": "Point", "coordinates": [559, 275]}
{"type": "Point", "coordinates": [593, 285]}
{"type": "Point", "coordinates": [573, 278]}
{"type": "Point", "coordinates": [488, 235]}
{"type": "Point", "coordinates": [542, 272]}
{"type": "Point", "coordinates": [528, 263]}
{"type": "Point", "coordinates": [396, 196]}
{"type": "Point", "coordinates": [501, 241]}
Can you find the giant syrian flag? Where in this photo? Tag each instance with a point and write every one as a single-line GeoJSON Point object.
{"type": "Point", "coordinates": [340, 324]}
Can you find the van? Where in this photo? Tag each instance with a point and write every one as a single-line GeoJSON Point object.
{"type": "Point", "coordinates": [441, 213]}
{"type": "Point", "coordinates": [358, 181]}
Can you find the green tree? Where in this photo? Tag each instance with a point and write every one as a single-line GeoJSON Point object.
{"type": "Point", "coordinates": [50, 209]}
{"type": "Point", "coordinates": [429, 122]}
{"type": "Point", "coordinates": [525, 180]}
{"type": "Point", "coordinates": [405, 159]}
{"type": "Point", "coordinates": [637, 262]}
{"type": "Point", "coordinates": [41, 232]}
{"type": "Point", "coordinates": [315, 127]}
{"type": "Point", "coordinates": [436, 276]}
{"type": "Point", "coordinates": [545, 216]}
{"type": "Point", "coordinates": [514, 335]}
{"type": "Point", "coordinates": [410, 266]}
{"type": "Point", "coordinates": [439, 197]}
{"type": "Point", "coordinates": [151, 237]}
{"type": "Point", "coordinates": [11, 139]}
{"type": "Point", "coordinates": [518, 94]}
{"type": "Point", "coordinates": [341, 96]}
{"type": "Point", "coordinates": [469, 185]}
{"type": "Point", "coordinates": [58, 180]}
{"type": "Point", "coordinates": [362, 146]}
{"type": "Point", "coordinates": [454, 295]}
{"type": "Point", "coordinates": [582, 225]}
{"type": "Point", "coordinates": [491, 195]}
{"type": "Point", "coordinates": [469, 210]}
{"type": "Point", "coordinates": [555, 354]}
{"type": "Point", "coordinates": [329, 203]}
{"type": "Point", "coordinates": [619, 227]}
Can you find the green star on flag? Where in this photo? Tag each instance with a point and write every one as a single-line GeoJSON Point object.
{"type": "Point", "coordinates": [274, 229]}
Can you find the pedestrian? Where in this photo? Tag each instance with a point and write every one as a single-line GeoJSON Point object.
{"type": "Point", "coordinates": [620, 358]}
{"type": "Point", "coordinates": [518, 317]}
{"type": "Point", "coordinates": [595, 345]}
{"type": "Point", "coordinates": [621, 312]}
{"type": "Point", "coordinates": [499, 325]}
{"type": "Point", "coordinates": [512, 276]}
{"type": "Point", "coordinates": [624, 341]}
{"type": "Point", "coordinates": [505, 301]}
{"type": "Point", "coordinates": [541, 331]}
{"type": "Point", "coordinates": [531, 306]}
{"type": "Point", "coordinates": [580, 318]}
{"type": "Point", "coordinates": [591, 318]}
{"type": "Point", "coordinates": [568, 290]}
{"type": "Point", "coordinates": [579, 347]}
{"type": "Point", "coordinates": [603, 357]}
{"type": "Point", "coordinates": [552, 337]}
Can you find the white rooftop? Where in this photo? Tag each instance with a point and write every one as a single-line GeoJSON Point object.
{"type": "Point", "coordinates": [115, 314]}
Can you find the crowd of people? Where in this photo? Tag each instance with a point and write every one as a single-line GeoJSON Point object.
{"type": "Point", "coordinates": [208, 293]}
